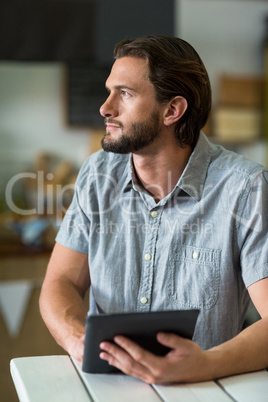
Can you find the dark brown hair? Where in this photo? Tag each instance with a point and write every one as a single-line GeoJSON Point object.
{"type": "Point", "coordinates": [175, 69]}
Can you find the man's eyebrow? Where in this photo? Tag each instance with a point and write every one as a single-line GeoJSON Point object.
{"type": "Point", "coordinates": [120, 87]}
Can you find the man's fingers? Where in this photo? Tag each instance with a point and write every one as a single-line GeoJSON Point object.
{"type": "Point", "coordinates": [120, 359]}
{"type": "Point", "coordinates": [173, 341]}
{"type": "Point", "coordinates": [110, 350]}
{"type": "Point", "coordinates": [139, 354]}
{"type": "Point", "coordinates": [109, 358]}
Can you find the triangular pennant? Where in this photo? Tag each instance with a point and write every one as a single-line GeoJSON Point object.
{"type": "Point", "coordinates": [14, 297]}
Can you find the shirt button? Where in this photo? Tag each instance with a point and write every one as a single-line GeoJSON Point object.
{"type": "Point", "coordinates": [195, 255]}
{"type": "Point", "coordinates": [144, 300]}
{"type": "Point", "coordinates": [148, 257]}
{"type": "Point", "coordinates": [154, 214]}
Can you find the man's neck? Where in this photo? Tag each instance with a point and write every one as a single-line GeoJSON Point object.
{"type": "Point", "coordinates": [159, 171]}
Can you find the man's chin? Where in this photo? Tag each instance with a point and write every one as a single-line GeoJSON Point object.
{"type": "Point", "coordinates": [109, 145]}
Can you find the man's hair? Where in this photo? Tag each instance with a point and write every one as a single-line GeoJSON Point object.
{"type": "Point", "coordinates": [175, 69]}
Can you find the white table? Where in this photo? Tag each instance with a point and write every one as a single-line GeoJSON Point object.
{"type": "Point", "coordinates": [59, 378]}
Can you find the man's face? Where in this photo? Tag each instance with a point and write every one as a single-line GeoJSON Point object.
{"type": "Point", "coordinates": [132, 114]}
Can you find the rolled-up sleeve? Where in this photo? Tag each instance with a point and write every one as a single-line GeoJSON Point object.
{"type": "Point", "coordinates": [254, 228]}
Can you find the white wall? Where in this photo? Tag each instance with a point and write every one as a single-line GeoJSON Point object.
{"type": "Point", "coordinates": [32, 117]}
{"type": "Point", "coordinates": [229, 36]}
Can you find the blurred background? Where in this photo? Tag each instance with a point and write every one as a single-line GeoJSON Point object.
{"type": "Point", "coordinates": [55, 56]}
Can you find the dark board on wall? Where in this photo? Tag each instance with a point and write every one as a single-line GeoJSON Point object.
{"type": "Point", "coordinates": [114, 20]}
{"type": "Point", "coordinates": [124, 19]}
{"type": "Point", "coordinates": [86, 93]}
{"type": "Point", "coordinates": [47, 30]}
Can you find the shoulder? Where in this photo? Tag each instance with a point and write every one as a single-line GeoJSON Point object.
{"type": "Point", "coordinates": [103, 164]}
{"type": "Point", "coordinates": [102, 160]}
{"type": "Point", "coordinates": [228, 163]}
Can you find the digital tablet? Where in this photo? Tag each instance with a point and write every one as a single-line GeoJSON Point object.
{"type": "Point", "coordinates": [139, 327]}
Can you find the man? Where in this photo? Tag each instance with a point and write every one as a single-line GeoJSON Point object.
{"type": "Point", "coordinates": [162, 219]}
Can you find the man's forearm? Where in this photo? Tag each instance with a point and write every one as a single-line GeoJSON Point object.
{"type": "Point", "coordinates": [248, 351]}
{"type": "Point", "coordinates": [64, 313]}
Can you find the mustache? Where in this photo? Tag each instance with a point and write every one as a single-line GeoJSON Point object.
{"type": "Point", "coordinates": [112, 121]}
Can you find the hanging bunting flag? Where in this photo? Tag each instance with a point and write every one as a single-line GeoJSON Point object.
{"type": "Point", "coordinates": [14, 298]}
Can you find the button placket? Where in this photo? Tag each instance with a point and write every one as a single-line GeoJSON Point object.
{"type": "Point", "coordinates": [146, 282]}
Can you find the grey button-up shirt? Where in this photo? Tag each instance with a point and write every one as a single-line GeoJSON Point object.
{"type": "Point", "coordinates": [199, 247]}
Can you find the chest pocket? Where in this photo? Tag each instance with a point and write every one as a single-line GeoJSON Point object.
{"type": "Point", "coordinates": [193, 277]}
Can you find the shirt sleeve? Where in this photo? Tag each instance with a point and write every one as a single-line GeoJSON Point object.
{"type": "Point", "coordinates": [254, 228]}
{"type": "Point", "coordinates": [74, 229]}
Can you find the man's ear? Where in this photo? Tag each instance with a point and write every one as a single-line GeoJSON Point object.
{"type": "Point", "coordinates": [175, 110]}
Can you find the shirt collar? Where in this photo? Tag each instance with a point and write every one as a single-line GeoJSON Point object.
{"type": "Point", "coordinates": [129, 174]}
{"type": "Point", "coordinates": [193, 178]}
{"type": "Point", "coordinates": [194, 175]}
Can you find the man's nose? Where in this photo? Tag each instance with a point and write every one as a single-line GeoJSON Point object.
{"type": "Point", "coordinates": [109, 109]}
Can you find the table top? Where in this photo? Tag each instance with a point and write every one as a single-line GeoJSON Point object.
{"type": "Point", "coordinates": [60, 378]}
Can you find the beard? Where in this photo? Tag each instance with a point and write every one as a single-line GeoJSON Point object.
{"type": "Point", "coordinates": [139, 135]}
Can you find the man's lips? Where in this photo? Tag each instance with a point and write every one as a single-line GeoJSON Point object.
{"type": "Point", "coordinates": [112, 126]}
{"type": "Point", "coordinates": [112, 123]}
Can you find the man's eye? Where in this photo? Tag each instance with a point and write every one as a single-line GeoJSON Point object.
{"type": "Point", "coordinates": [126, 94]}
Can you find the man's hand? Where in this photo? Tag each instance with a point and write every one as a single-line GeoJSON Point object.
{"type": "Point", "coordinates": [77, 350]}
{"type": "Point", "coordinates": [184, 363]}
